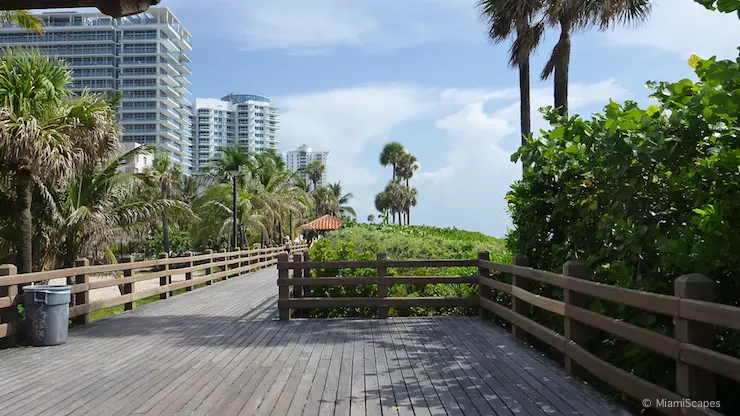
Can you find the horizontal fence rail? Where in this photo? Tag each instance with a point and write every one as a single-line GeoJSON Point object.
{"type": "Point", "coordinates": [202, 269]}
{"type": "Point", "coordinates": [695, 316]}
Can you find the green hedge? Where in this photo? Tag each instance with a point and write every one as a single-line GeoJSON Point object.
{"type": "Point", "coordinates": [643, 195]}
{"type": "Point", "coordinates": [364, 241]}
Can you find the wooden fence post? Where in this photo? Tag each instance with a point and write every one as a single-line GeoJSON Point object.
{"type": "Point", "coordinates": [224, 258]}
{"type": "Point", "coordinates": [238, 261]}
{"type": "Point", "coordinates": [128, 288]}
{"type": "Point", "coordinates": [693, 382]}
{"type": "Point", "coordinates": [297, 290]}
{"type": "Point", "coordinates": [10, 314]}
{"type": "Point", "coordinates": [517, 305]}
{"type": "Point", "coordinates": [164, 280]}
{"type": "Point", "coordinates": [208, 270]}
{"type": "Point", "coordinates": [283, 291]}
{"type": "Point", "coordinates": [382, 288]}
{"type": "Point", "coordinates": [575, 331]}
{"type": "Point", "coordinates": [81, 298]}
{"type": "Point", "coordinates": [188, 275]}
{"type": "Point", "coordinates": [484, 291]}
{"type": "Point", "coordinates": [306, 273]}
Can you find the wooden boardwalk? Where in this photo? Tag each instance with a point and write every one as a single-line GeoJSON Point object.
{"type": "Point", "coordinates": [222, 351]}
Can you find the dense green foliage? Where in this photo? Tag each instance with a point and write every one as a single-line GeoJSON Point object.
{"type": "Point", "coordinates": [643, 196]}
{"type": "Point", "coordinates": [179, 243]}
{"type": "Point", "coordinates": [364, 241]}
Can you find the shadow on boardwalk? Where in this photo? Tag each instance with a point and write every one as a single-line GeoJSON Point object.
{"type": "Point", "coordinates": [220, 351]}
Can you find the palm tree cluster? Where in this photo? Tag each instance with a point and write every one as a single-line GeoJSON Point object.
{"type": "Point", "coordinates": [526, 20]}
{"type": "Point", "coordinates": [66, 192]}
{"type": "Point", "coordinates": [62, 191]}
{"type": "Point", "coordinates": [398, 197]}
{"type": "Point", "coordinates": [270, 200]}
{"type": "Point", "coordinates": [329, 200]}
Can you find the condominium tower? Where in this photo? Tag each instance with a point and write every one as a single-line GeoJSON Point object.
{"type": "Point", "coordinates": [236, 119]}
{"type": "Point", "coordinates": [144, 57]}
{"type": "Point", "coordinates": [295, 160]}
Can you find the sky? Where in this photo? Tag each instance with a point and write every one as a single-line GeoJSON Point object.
{"type": "Point", "coordinates": [350, 76]}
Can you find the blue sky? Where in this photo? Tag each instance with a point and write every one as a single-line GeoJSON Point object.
{"type": "Point", "coordinates": [352, 75]}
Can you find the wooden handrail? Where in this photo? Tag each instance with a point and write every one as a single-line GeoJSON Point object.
{"type": "Point", "coordinates": [693, 314]}
{"type": "Point", "coordinates": [234, 263]}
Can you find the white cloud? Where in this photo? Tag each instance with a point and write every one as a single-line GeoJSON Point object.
{"type": "Point", "coordinates": [683, 27]}
{"type": "Point", "coordinates": [316, 26]}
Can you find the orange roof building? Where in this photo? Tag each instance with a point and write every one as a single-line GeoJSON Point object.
{"type": "Point", "coordinates": [325, 223]}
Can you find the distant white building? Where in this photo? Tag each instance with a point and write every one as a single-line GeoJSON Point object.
{"type": "Point", "coordinates": [139, 162]}
{"type": "Point", "coordinates": [298, 159]}
{"type": "Point", "coordinates": [236, 119]}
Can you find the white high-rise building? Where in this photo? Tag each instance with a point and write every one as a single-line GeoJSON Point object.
{"type": "Point", "coordinates": [144, 57]}
{"type": "Point", "coordinates": [298, 159]}
{"type": "Point", "coordinates": [237, 119]}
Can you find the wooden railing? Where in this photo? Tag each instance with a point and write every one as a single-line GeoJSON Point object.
{"type": "Point", "coordinates": [197, 270]}
{"type": "Point", "coordinates": [691, 306]}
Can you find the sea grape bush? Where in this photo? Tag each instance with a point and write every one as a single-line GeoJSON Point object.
{"type": "Point", "coordinates": [643, 195]}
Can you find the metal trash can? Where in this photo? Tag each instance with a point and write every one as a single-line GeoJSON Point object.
{"type": "Point", "coordinates": [47, 314]}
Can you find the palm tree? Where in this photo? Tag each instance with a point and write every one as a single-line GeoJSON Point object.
{"type": "Point", "coordinates": [571, 15]}
{"type": "Point", "coordinates": [300, 181]}
{"type": "Point", "coordinates": [315, 171]}
{"type": "Point", "coordinates": [229, 160]}
{"type": "Point", "coordinates": [371, 218]}
{"type": "Point", "coordinates": [410, 202]}
{"type": "Point", "coordinates": [214, 210]}
{"type": "Point", "coordinates": [275, 195]}
{"type": "Point", "coordinates": [392, 154]}
{"type": "Point", "coordinates": [23, 19]}
{"type": "Point", "coordinates": [505, 18]}
{"type": "Point", "coordinates": [164, 175]}
{"type": "Point", "coordinates": [43, 129]}
{"type": "Point", "coordinates": [406, 169]}
{"type": "Point", "coordinates": [342, 200]}
{"type": "Point", "coordinates": [396, 193]}
{"type": "Point", "coordinates": [189, 188]}
{"type": "Point", "coordinates": [383, 205]}
{"type": "Point", "coordinates": [96, 207]}
{"type": "Point", "coordinates": [326, 202]}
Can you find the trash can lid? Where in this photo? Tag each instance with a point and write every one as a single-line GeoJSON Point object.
{"type": "Point", "coordinates": [47, 288]}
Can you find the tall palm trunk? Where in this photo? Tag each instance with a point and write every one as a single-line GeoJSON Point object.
{"type": "Point", "coordinates": [525, 111]}
{"type": "Point", "coordinates": [24, 253]}
{"type": "Point", "coordinates": [165, 233]}
{"type": "Point", "coordinates": [562, 65]}
{"type": "Point", "coordinates": [408, 210]}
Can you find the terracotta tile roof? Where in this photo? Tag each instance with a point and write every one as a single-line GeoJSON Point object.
{"type": "Point", "coordinates": [325, 223]}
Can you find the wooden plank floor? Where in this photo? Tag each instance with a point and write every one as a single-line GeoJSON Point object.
{"type": "Point", "coordinates": [221, 351]}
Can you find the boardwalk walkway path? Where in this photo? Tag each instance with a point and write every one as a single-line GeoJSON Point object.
{"type": "Point", "coordinates": [220, 351]}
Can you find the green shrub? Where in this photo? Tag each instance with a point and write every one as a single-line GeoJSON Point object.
{"type": "Point", "coordinates": [179, 243]}
{"type": "Point", "coordinates": [364, 241]}
{"type": "Point", "coordinates": [643, 196]}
